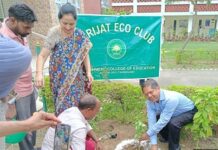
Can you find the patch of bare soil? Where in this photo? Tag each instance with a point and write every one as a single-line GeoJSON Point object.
{"type": "Point", "coordinates": [125, 132]}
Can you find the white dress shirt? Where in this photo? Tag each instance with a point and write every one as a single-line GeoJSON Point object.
{"type": "Point", "coordinates": [79, 129]}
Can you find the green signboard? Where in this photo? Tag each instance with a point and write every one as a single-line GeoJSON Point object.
{"type": "Point", "coordinates": [124, 47]}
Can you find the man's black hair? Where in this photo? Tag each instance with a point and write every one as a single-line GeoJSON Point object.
{"type": "Point", "coordinates": [22, 12]}
{"type": "Point", "coordinates": [67, 9]}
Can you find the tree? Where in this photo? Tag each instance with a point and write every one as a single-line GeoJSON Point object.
{"type": "Point", "coordinates": [190, 34]}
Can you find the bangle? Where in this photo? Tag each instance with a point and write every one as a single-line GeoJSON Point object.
{"type": "Point", "coordinates": [89, 74]}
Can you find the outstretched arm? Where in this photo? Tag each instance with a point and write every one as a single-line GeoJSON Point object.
{"type": "Point", "coordinates": [92, 134]}
{"type": "Point", "coordinates": [37, 121]}
{"type": "Point", "coordinates": [88, 68]}
{"type": "Point", "coordinates": [41, 59]}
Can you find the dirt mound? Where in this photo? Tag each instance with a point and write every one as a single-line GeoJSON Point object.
{"type": "Point", "coordinates": [123, 132]}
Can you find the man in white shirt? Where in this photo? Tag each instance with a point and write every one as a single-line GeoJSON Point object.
{"type": "Point", "coordinates": [77, 118]}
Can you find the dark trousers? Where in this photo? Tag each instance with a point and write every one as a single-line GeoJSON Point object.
{"type": "Point", "coordinates": [25, 107]}
{"type": "Point", "coordinates": [171, 131]}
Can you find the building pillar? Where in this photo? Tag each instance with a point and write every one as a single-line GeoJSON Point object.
{"type": "Point", "coordinates": [190, 22]}
{"type": "Point", "coordinates": [190, 19]}
{"type": "Point", "coordinates": [217, 23]}
{"type": "Point", "coordinates": [163, 7]}
{"type": "Point", "coordinates": [135, 5]}
{"type": "Point", "coordinates": [191, 8]}
{"type": "Point", "coordinates": [82, 6]}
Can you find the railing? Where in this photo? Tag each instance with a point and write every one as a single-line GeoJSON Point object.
{"type": "Point", "coordinates": [201, 59]}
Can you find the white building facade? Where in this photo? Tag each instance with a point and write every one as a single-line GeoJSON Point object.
{"type": "Point", "coordinates": [178, 17]}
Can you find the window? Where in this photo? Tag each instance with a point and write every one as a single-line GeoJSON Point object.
{"type": "Point", "coordinates": [183, 23]}
{"type": "Point", "coordinates": [200, 24]}
{"type": "Point", "coordinates": [174, 25]}
{"type": "Point", "coordinates": [207, 23]}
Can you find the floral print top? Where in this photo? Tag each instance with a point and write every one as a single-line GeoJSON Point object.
{"type": "Point", "coordinates": [67, 78]}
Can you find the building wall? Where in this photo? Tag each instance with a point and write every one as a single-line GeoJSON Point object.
{"type": "Point", "coordinates": [45, 11]}
{"type": "Point", "coordinates": [181, 12]}
{"type": "Point", "coordinates": [82, 6]}
{"type": "Point", "coordinates": [149, 9]}
{"type": "Point", "coordinates": [206, 29]}
{"type": "Point", "coordinates": [208, 26]}
{"type": "Point", "coordinates": [92, 6]}
{"type": "Point", "coordinates": [177, 8]}
{"type": "Point", "coordinates": [181, 29]}
{"type": "Point", "coordinates": [203, 7]}
{"type": "Point", "coordinates": [128, 9]}
{"type": "Point", "coordinates": [4, 5]}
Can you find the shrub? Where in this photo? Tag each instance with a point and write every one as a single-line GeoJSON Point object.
{"type": "Point", "coordinates": [120, 101]}
{"type": "Point", "coordinates": [206, 100]}
{"type": "Point", "coordinates": [124, 102]}
{"type": "Point", "coordinates": [47, 94]}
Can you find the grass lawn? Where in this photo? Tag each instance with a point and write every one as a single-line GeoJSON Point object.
{"type": "Point", "coordinates": [195, 55]}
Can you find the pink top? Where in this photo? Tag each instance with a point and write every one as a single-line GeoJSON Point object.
{"type": "Point", "coordinates": [23, 86]}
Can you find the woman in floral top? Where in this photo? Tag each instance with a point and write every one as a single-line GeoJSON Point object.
{"type": "Point", "coordinates": [69, 66]}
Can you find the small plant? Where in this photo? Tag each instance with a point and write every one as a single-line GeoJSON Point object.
{"type": "Point", "coordinates": [140, 128]}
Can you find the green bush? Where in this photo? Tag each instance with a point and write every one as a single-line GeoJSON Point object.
{"type": "Point", "coordinates": [120, 101]}
{"type": "Point", "coordinates": [124, 102]}
{"type": "Point", "coordinates": [206, 100]}
{"type": "Point", "coordinates": [46, 92]}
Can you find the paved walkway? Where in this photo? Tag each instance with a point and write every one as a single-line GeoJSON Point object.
{"type": "Point", "coordinates": [189, 77]}
{"type": "Point", "coordinates": [185, 77]}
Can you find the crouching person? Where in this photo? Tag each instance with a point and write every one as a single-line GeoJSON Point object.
{"type": "Point", "coordinates": [82, 135]}
{"type": "Point", "coordinates": [167, 112]}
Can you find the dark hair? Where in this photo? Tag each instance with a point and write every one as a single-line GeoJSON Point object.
{"type": "Point", "coordinates": [22, 12]}
{"type": "Point", "coordinates": [67, 9]}
{"type": "Point", "coordinates": [87, 101]}
{"type": "Point", "coordinates": [150, 83]}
